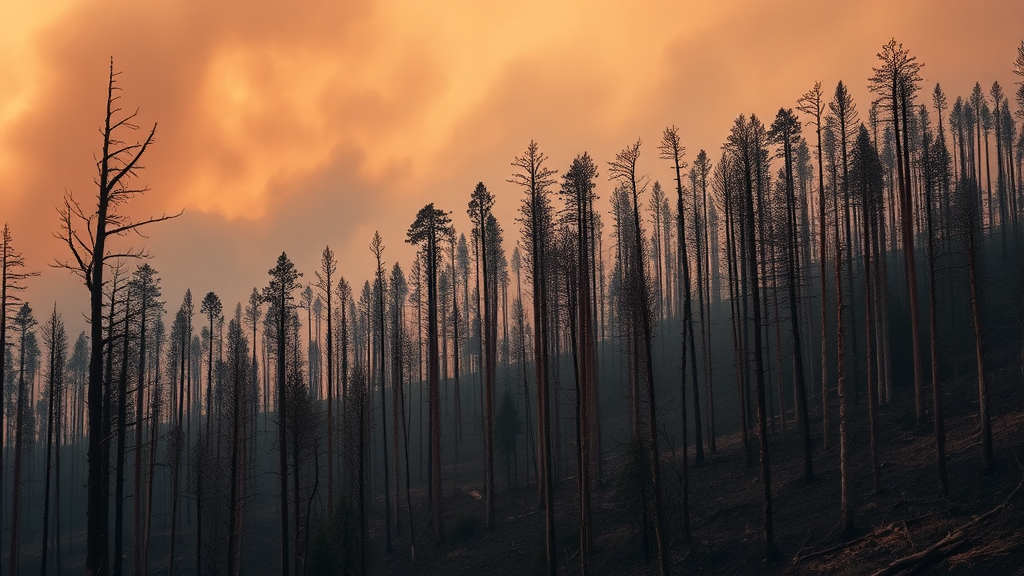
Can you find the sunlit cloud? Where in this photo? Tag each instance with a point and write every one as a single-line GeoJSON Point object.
{"type": "Point", "coordinates": [292, 126]}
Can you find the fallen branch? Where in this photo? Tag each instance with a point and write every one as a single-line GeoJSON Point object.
{"type": "Point", "coordinates": [944, 547]}
{"type": "Point", "coordinates": [840, 547]}
{"type": "Point", "coordinates": [880, 531]}
{"type": "Point", "coordinates": [931, 554]}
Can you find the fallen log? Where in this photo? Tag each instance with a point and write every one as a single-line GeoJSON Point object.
{"type": "Point", "coordinates": [944, 547]}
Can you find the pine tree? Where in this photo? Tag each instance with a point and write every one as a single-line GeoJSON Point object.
{"type": "Point", "coordinates": [623, 169]}
{"type": "Point", "coordinates": [279, 294]}
{"type": "Point", "coordinates": [430, 227]}
{"type": "Point", "coordinates": [536, 179]}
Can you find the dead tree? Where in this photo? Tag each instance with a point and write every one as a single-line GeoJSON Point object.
{"type": "Point", "coordinates": [812, 104]}
{"type": "Point", "coordinates": [785, 130]}
{"type": "Point", "coordinates": [328, 268]}
{"type": "Point", "coordinates": [145, 286]}
{"type": "Point", "coordinates": [279, 294]}
{"type": "Point", "coordinates": [536, 179]}
{"type": "Point", "coordinates": [745, 143]}
{"type": "Point", "coordinates": [429, 228]}
{"type": "Point", "coordinates": [12, 266]}
{"type": "Point", "coordinates": [24, 322]}
{"type": "Point", "coordinates": [56, 340]}
{"type": "Point", "coordinates": [895, 82]}
{"type": "Point", "coordinates": [86, 234]}
{"type": "Point", "coordinates": [239, 386]}
{"type": "Point", "coordinates": [480, 204]}
{"type": "Point", "coordinates": [578, 194]}
{"type": "Point", "coordinates": [377, 247]}
{"type": "Point", "coordinates": [623, 169]}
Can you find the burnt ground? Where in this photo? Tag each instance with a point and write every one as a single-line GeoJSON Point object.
{"type": "Point", "coordinates": [904, 517]}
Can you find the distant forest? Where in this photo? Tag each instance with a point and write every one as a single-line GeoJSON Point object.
{"type": "Point", "coordinates": [767, 363]}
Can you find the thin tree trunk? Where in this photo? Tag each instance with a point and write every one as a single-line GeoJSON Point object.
{"type": "Point", "coordinates": [51, 419]}
{"type": "Point", "coordinates": [19, 450]}
{"type": "Point", "coordinates": [983, 410]}
{"type": "Point", "coordinates": [122, 423]}
{"type": "Point", "coordinates": [868, 330]}
{"type": "Point", "coordinates": [846, 504]}
{"type": "Point", "coordinates": [137, 504]}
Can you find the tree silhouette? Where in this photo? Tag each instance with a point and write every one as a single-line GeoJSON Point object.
{"type": "Point", "coordinates": [535, 215]}
{"type": "Point", "coordinates": [895, 81]}
{"type": "Point", "coordinates": [377, 247]}
{"type": "Point", "coordinates": [55, 339]}
{"type": "Point", "coordinates": [745, 142]}
{"type": "Point", "coordinates": [118, 164]}
{"type": "Point", "coordinates": [812, 104]}
{"type": "Point", "coordinates": [578, 194]}
{"type": "Point", "coordinates": [212, 307]}
{"type": "Point", "coordinates": [699, 181]}
{"type": "Point", "coordinates": [427, 230]}
{"type": "Point", "coordinates": [480, 203]}
{"type": "Point", "coordinates": [24, 323]}
{"type": "Point", "coordinates": [12, 265]}
{"type": "Point", "coordinates": [671, 149]}
{"type": "Point", "coordinates": [623, 169]}
{"type": "Point", "coordinates": [866, 186]}
{"type": "Point", "coordinates": [279, 294]}
{"type": "Point", "coordinates": [785, 130]}
{"type": "Point", "coordinates": [399, 292]}
{"type": "Point", "coordinates": [146, 286]}
{"type": "Point", "coordinates": [936, 178]}
{"type": "Point", "coordinates": [181, 338]}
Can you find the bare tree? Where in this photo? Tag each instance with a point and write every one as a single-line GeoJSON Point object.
{"type": "Point", "coordinates": [24, 323]}
{"type": "Point", "coordinates": [146, 287]}
{"type": "Point", "coordinates": [745, 143]}
{"type": "Point", "coordinates": [86, 234]}
{"type": "Point", "coordinates": [324, 282]}
{"type": "Point", "coordinates": [377, 247]}
{"type": "Point", "coordinates": [55, 339]}
{"type": "Point", "coordinates": [623, 169]}
{"type": "Point", "coordinates": [12, 266]}
{"type": "Point", "coordinates": [813, 104]}
{"type": "Point", "coordinates": [671, 149]}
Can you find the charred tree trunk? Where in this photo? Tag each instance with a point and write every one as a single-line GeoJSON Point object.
{"type": "Point", "coordinates": [985, 422]}
{"type": "Point", "coordinates": [122, 423]}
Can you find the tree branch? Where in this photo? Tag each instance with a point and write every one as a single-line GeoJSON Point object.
{"type": "Point", "coordinates": [135, 226]}
{"type": "Point", "coordinates": [112, 184]}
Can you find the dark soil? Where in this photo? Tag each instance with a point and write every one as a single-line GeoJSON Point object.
{"type": "Point", "coordinates": [905, 516]}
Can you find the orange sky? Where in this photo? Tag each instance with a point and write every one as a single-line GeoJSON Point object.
{"type": "Point", "coordinates": [290, 126]}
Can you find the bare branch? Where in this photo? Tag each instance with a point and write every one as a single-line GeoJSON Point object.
{"type": "Point", "coordinates": [135, 226]}
{"type": "Point", "coordinates": [112, 184]}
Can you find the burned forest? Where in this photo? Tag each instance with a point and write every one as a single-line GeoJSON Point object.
{"type": "Point", "coordinates": [796, 348]}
